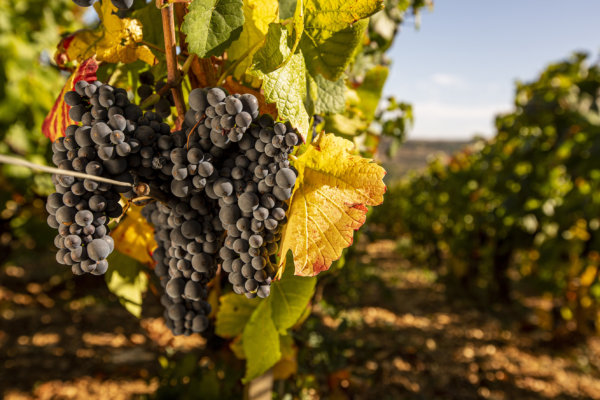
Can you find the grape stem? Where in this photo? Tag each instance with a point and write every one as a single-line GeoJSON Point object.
{"type": "Point", "coordinates": [24, 163]}
{"type": "Point", "coordinates": [173, 78]}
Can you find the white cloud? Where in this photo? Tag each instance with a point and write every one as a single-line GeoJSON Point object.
{"type": "Point", "coordinates": [455, 111]}
{"type": "Point", "coordinates": [442, 79]}
{"type": "Point", "coordinates": [439, 120]}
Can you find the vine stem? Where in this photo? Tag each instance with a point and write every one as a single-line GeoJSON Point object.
{"type": "Point", "coordinates": [168, 21]}
{"type": "Point", "coordinates": [24, 163]}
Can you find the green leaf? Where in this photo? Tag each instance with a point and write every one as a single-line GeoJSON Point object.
{"type": "Point", "coordinates": [258, 14]}
{"type": "Point", "coordinates": [234, 313]}
{"type": "Point", "coordinates": [325, 96]}
{"type": "Point", "coordinates": [332, 31]}
{"type": "Point", "coordinates": [286, 87]}
{"type": "Point", "coordinates": [275, 50]}
{"type": "Point", "coordinates": [127, 279]}
{"type": "Point", "coordinates": [151, 21]}
{"type": "Point", "coordinates": [211, 25]}
{"type": "Point", "coordinates": [261, 342]}
{"type": "Point", "coordinates": [370, 90]}
{"type": "Point", "coordinates": [330, 57]}
{"type": "Point", "coordinates": [290, 296]}
{"type": "Point", "coordinates": [287, 8]}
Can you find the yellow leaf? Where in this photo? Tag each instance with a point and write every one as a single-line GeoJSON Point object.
{"type": "Point", "coordinates": [134, 236]}
{"type": "Point", "coordinates": [334, 15]}
{"type": "Point", "coordinates": [115, 40]}
{"type": "Point", "coordinates": [329, 203]}
{"type": "Point", "coordinates": [258, 14]}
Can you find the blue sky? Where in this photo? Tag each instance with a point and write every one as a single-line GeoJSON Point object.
{"type": "Point", "coordinates": [458, 70]}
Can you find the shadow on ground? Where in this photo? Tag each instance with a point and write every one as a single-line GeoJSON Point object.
{"type": "Point", "coordinates": [380, 329]}
{"type": "Point", "coordinates": [400, 337]}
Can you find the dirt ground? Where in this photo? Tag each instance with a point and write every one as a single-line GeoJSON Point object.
{"type": "Point", "coordinates": [64, 337]}
{"type": "Point", "coordinates": [407, 340]}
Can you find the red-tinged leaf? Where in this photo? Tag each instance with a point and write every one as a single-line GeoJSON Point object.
{"type": "Point", "coordinates": [58, 119]}
{"type": "Point", "coordinates": [334, 187]}
{"type": "Point", "coordinates": [60, 57]}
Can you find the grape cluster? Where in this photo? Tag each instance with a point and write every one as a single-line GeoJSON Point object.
{"type": "Point", "coordinates": [185, 261]}
{"type": "Point", "coordinates": [120, 4]}
{"type": "Point", "coordinates": [240, 160]}
{"type": "Point", "coordinates": [148, 87]}
{"type": "Point", "coordinates": [81, 208]}
{"type": "Point", "coordinates": [224, 180]}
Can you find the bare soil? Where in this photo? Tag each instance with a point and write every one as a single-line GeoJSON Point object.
{"type": "Point", "coordinates": [64, 337]}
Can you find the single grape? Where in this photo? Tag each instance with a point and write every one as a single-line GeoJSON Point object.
{"type": "Point", "coordinates": [282, 194]}
{"type": "Point", "coordinates": [233, 106]}
{"type": "Point", "coordinates": [163, 107]}
{"type": "Point", "coordinates": [175, 287]}
{"type": "Point", "coordinates": [84, 218]}
{"type": "Point", "coordinates": [255, 241]}
{"type": "Point", "coordinates": [263, 291]}
{"type": "Point", "coordinates": [278, 213]}
{"type": "Point", "coordinates": [179, 172]}
{"type": "Point", "coordinates": [193, 290]}
{"type": "Point", "coordinates": [261, 213]}
{"type": "Point", "coordinates": [223, 187]}
{"type": "Point", "coordinates": [201, 262]}
{"type": "Point", "coordinates": [65, 215]}
{"type": "Point", "coordinates": [251, 285]}
{"type": "Point", "coordinates": [258, 263]}
{"type": "Point", "coordinates": [229, 215]}
{"type": "Point", "coordinates": [117, 122]}
{"type": "Point", "coordinates": [191, 229]}
{"type": "Point", "coordinates": [291, 139]}
{"type": "Point", "coordinates": [250, 104]}
{"type": "Point", "coordinates": [197, 100]}
{"type": "Point", "coordinates": [248, 202]}
{"type": "Point", "coordinates": [205, 169]}
{"type": "Point", "coordinates": [122, 4]}
{"type": "Point", "coordinates": [98, 249]}
{"type": "Point", "coordinates": [101, 267]}
{"type": "Point", "coordinates": [285, 178]}
{"type": "Point", "coordinates": [200, 323]}
{"type": "Point", "coordinates": [214, 96]}
{"type": "Point", "coordinates": [71, 242]}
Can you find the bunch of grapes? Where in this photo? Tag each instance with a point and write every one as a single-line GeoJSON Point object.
{"type": "Point", "coordinates": [81, 208]}
{"type": "Point", "coordinates": [120, 4]}
{"type": "Point", "coordinates": [249, 174]}
{"type": "Point", "coordinates": [224, 180]}
{"type": "Point", "coordinates": [185, 261]}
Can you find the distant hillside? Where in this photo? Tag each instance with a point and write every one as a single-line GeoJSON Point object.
{"type": "Point", "coordinates": [414, 154]}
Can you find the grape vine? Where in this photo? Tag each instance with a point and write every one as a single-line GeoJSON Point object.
{"type": "Point", "coordinates": [182, 139]}
{"type": "Point", "coordinates": [225, 175]}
